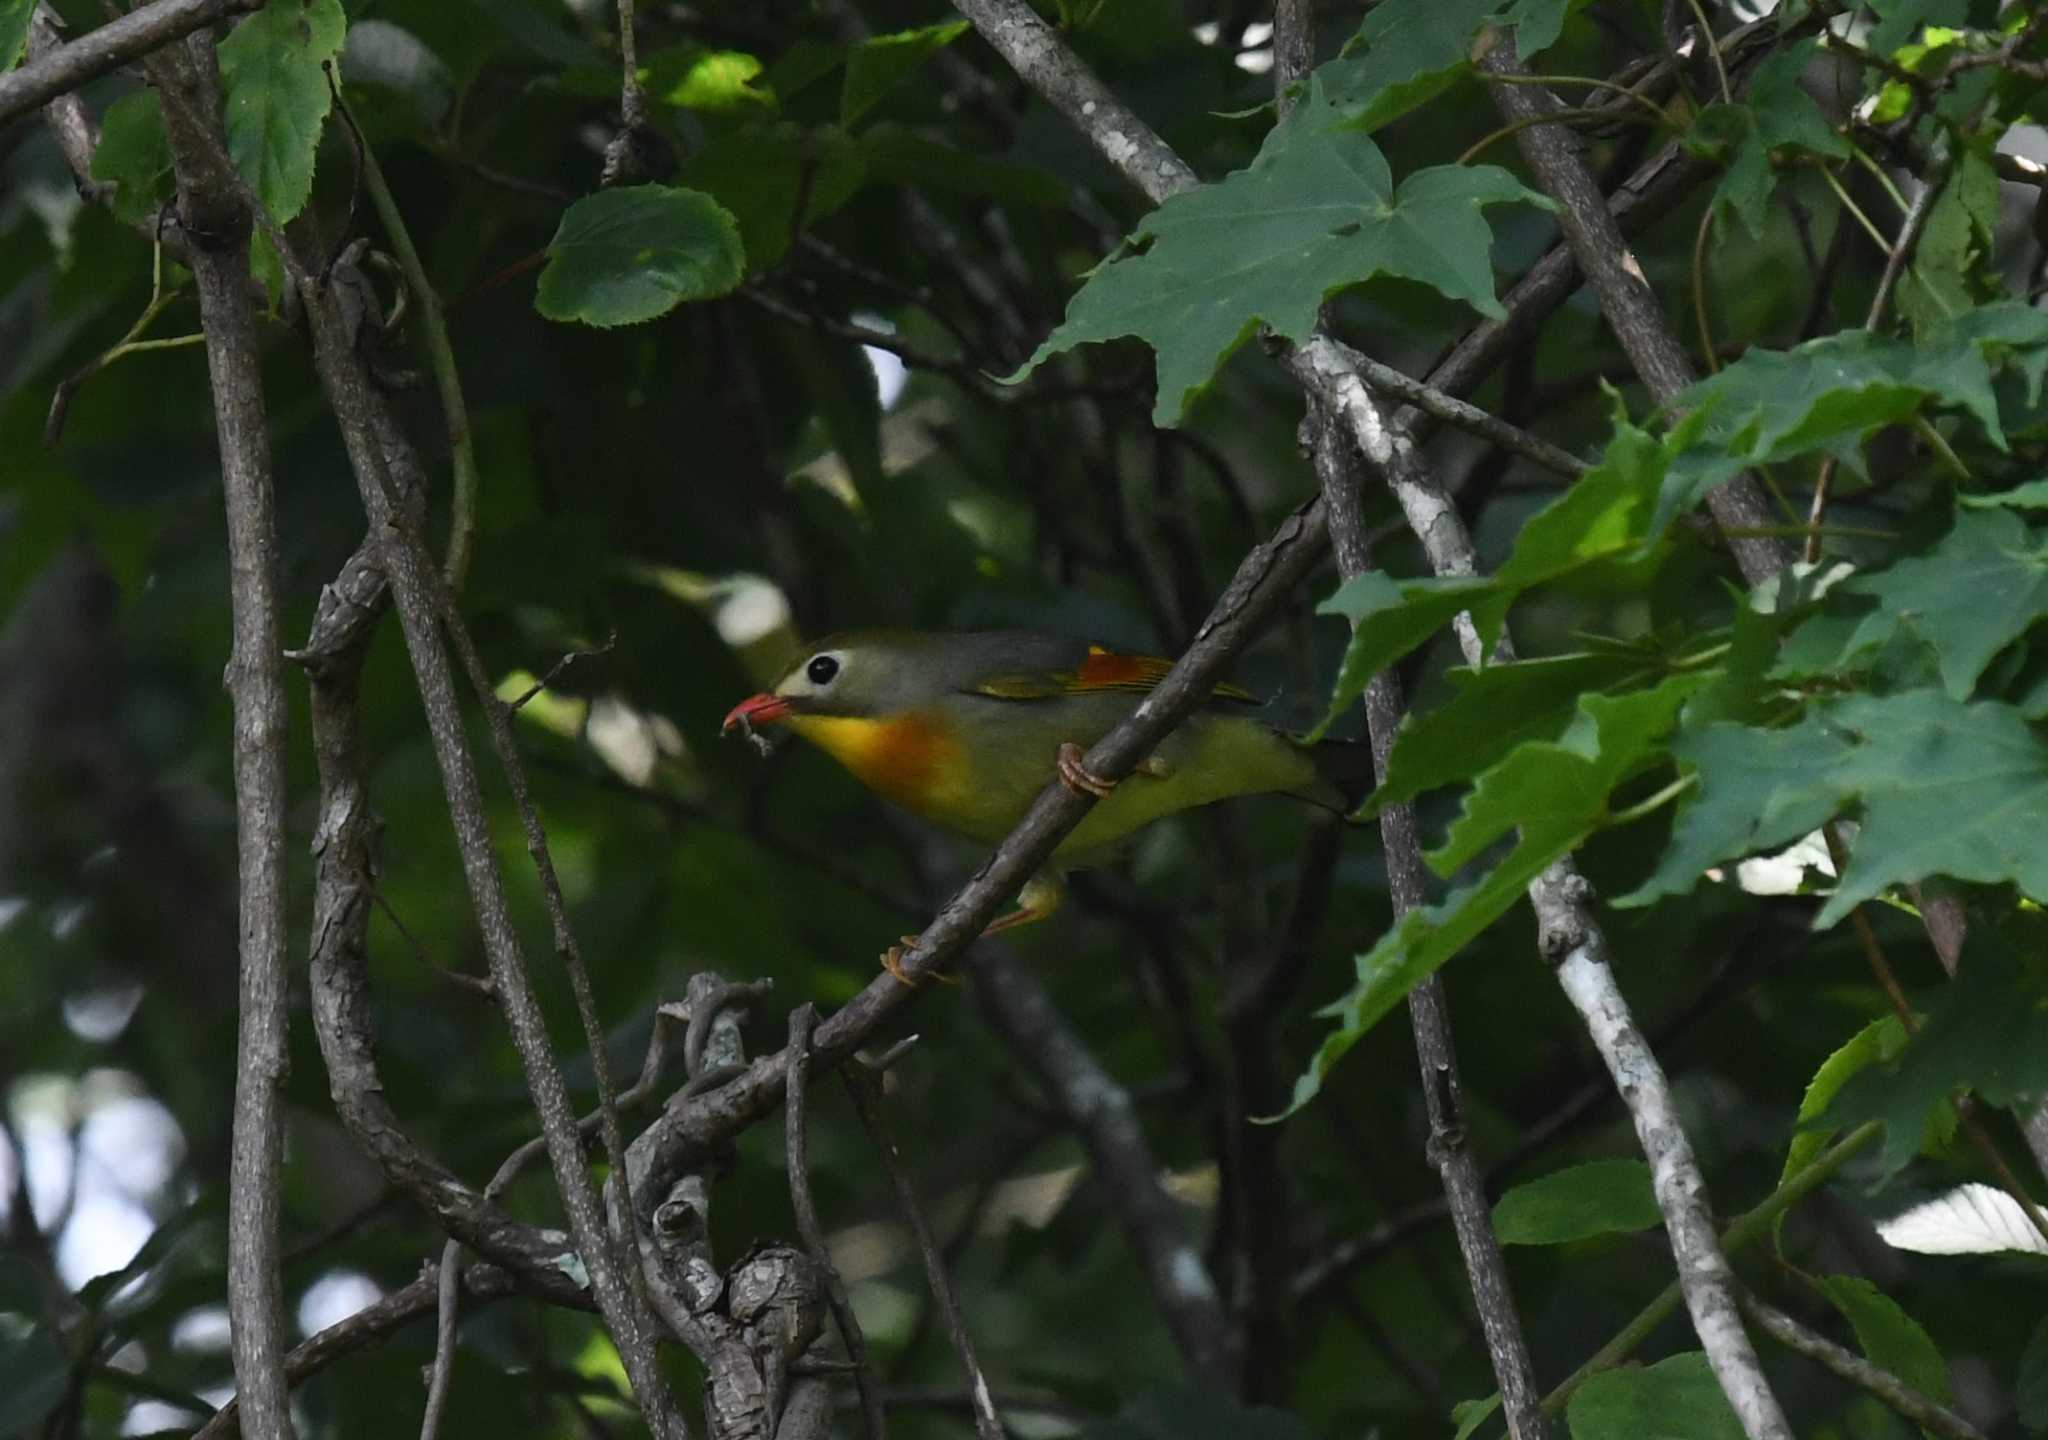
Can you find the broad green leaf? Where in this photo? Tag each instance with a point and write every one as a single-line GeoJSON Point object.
{"type": "Point", "coordinates": [1986, 1032]}
{"type": "Point", "coordinates": [1603, 517]}
{"type": "Point", "coordinates": [1945, 278]}
{"type": "Point", "coordinates": [1675, 1399]}
{"type": "Point", "coordinates": [1557, 794]}
{"type": "Point", "coordinates": [1890, 1338]}
{"type": "Point", "coordinates": [1777, 113]}
{"type": "Point", "coordinates": [1388, 619]}
{"type": "Point", "coordinates": [1316, 212]}
{"type": "Point", "coordinates": [882, 62]}
{"type": "Point", "coordinates": [1471, 1414]}
{"type": "Point", "coordinates": [134, 155]}
{"type": "Point", "coordinates": [627, 255]}
{"type": "Point", "coordinates": [2033, 495]}
{"type": "Point", "coordinates": [1833, 392]}
{"type": "Point", "coordinates": [2030, 1386]}
{"type": "Point", "coordinates": [716, 82]}
{"type": "Point", "coordinates": [1405, 957]}
{"type": "Point", "coordinates": [776, 180]}
{"type": "Point", "coordinates": [1981, 587]}
{"type": "Point", "coordinates": [1405, 54]}
{"type": "Point", "coordinates": [1537, 23]}
{"type": "Point", "coordinates": [277, 96]}
{"type": "Point", "coordinates": [14, 18]}
{"type": "Point", "coordinates": [1899, 21]}
{"type": "Point", "coordinates": [1944, 789]}
{"type": "Point", "coordinates": [1607, 514]}
{"type": "Point", "coordinates": [1604, 1197]}
{"type": "Point", "coordinates": [1875, 1043]}
{"type": "Point", "coordinates": [1490, 712]}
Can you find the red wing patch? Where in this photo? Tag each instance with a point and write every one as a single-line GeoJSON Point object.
{"type": "Point", "coordinates": [1107, 670]}
{"type": "Point", "coordinates": [1100, 670]}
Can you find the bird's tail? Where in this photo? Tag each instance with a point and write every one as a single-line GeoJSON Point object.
{"type": "Point", "coordinates": [1343, 775]}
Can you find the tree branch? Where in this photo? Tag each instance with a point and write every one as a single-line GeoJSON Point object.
{"type": "Point", "coordinates": [1923, 1410]}
{"type": "Point", "coordinates": [219, 228]}
{"type": "Point", "coordinates": [110, 46]}
{"type": "Point", "coordinates": [416, 592]}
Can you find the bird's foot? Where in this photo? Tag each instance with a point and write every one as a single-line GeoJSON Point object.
{"type": "Point", "coordinates": [1077, 777]}
{"type": "Point", "coordinates": [892, 961]}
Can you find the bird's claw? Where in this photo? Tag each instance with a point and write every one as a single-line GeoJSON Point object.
{"type": "Point", "coordinates": [1077, 777]}
{"type": "Point", "coordinates": [892, 961]}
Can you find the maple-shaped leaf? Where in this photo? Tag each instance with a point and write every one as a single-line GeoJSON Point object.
{"type": "Point", "coordinates": [1943, 788]}
{"type": "Point", "coordinates": [1317, 211]}
{"type": "Point", "coordinates": [1555, 794]}
{"type": "Point", "coordinates": [1976, 591]}
{"type": "Point", "coordinates": [1832, 392]}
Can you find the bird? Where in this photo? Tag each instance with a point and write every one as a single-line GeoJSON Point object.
{"type": "Point", "coordinates": [966, 728]}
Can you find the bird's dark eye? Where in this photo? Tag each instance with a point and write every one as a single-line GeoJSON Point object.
{"type": "Point", "coordinates": [821, 670]}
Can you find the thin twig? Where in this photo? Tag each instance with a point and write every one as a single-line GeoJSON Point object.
{"type": "Point", "coordinates": [440, 353]}
{"type": "Point", "coordinates": [798, 1146]}
{"type": "Point", "coordinates": [1921, 1409]}
{"type": "Point", "coordinates": [865, 1086]}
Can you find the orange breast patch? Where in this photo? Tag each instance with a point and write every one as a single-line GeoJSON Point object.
{"type": "Point", "coordinates": [909, 758]}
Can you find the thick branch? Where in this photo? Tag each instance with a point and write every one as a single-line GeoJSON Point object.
{"type": "Point", "coordinates": [414, 585]}
{"type": "Point", "coordinates": [111, 46]}
{"type": "Point", "coordinates": [1633, 313]}
{"type": "Point", "coordinates": [1428, 1007]}
{"type": "Point", "coordinates": [1102, 1111]}
{"type": "Point", "coordinates": [219, 229]}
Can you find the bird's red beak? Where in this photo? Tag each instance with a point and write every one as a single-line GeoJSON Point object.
{"type": "Point", "coordinates": [755, 710]}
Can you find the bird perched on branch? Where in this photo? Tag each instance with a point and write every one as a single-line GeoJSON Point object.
{"type": "Point", "coordinates": [966, 729]}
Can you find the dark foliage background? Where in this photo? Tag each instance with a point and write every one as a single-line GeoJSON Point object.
{"type": "Point", "coordinates": [687, 498]}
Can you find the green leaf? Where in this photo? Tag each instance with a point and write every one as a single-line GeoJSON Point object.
{"type": "Point", "coordinates": [1490, 712]}
{"type": "Point", "coordinates": [882, 62]}
{"type": "Point", "coordinates": [1777, 113]}
{"type": "Point", "coordinates": [1875, 1043]}
{"type": "Point", "coordinates": [1557, 795]}
{"type": "Point", "coordinates": [1944, 788]}
{"type": "Point", "coordinates": [277, 96]}
{"type": "Point", "coordinates": [1900, 20]}
{"type": "Point", "coordinates": [1945, 277]}
{"type": "Point", "coordinates": [2030, 1386]}
{"type": "Point", "coordinates": [1316, 212]}
{"type": "Point", "coordinates": [715, 82]}
{"type": "Point", "coordinates": [1986, 1032]}
{"type": "Point", "coordinates": [1604, 1197]}
{"type": "Point", "coordinates": [627, 255]}
{"type": "Point", "coordinates": [134, 156]}
{"type": "Point", "coordinates": [14, 18]}
{"type": "Point", "coordinates": [1830, 393]}
{"type": "Point", "coordinates": [762, 174]}
{"type": "Point", "coordinates": [1405, 54]}
{"type": "Point", "coordinates": [1981, 587]}
{"type": "Point", "coordinates": [2033, 495]}
{"type": "Point", "coordinates": [1388, 619]}
{"type": "Point", "coordinates": [1890, 1338]}
{"type": "Point", "coordinates": [1538, 23]}
{"type": "Point", "coordinates": [1675, 1399]}
{"type": "Point", "coordinates": [1471, 1414]}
